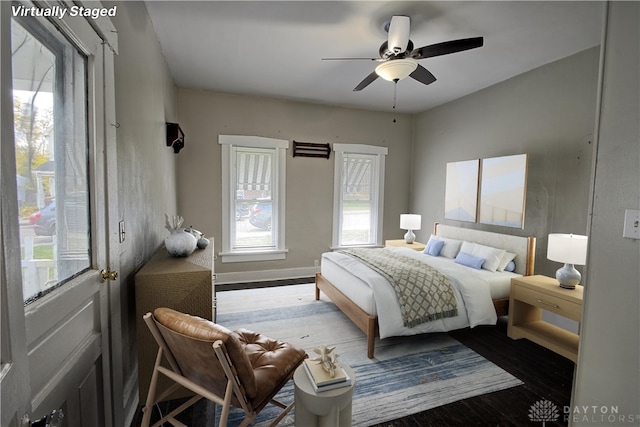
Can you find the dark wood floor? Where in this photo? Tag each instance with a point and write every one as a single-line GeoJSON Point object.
{"type": "Point", "coordinates": [546, 376]}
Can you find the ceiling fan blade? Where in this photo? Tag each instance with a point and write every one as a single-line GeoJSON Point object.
{"type": "Point", "coordinates": [446, 48]}
{"type": "Point", "coordinates": [399, 34]}
{"type": "Point", "coordinates": [422, 75]}
{"type": "Point", "coordinates": [352, 59]}
{"type": "Point", "coordinates": [366, 82]}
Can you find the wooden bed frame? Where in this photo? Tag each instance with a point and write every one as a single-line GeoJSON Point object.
{"type": "Point", "coordinates": [369, 324]}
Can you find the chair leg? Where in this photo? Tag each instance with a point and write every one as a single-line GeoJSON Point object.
{"type": "Point", "coordinates": [282, 415]}
{"type": "Point", "coordinates": [249, 419]}
{"type": "Point", "coordinates": [148, 407]}
{"type": "Point", "coordinates": [170, 416]}
{"type": "Point", "coordinates": [146, 416]}
{"type": "Point", "coordinates": [224, 415]}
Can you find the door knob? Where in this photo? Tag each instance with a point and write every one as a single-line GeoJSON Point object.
{"type": "Point", "coordinates": [108, 275]}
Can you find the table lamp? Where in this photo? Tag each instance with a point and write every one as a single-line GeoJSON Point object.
{"type": "Point", "coordinates": [410, 222]}
{"type": "Point", "coordinates": [571, 249]}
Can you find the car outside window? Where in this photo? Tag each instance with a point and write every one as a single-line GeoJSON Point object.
{"type": "Point", "coordinates": [253, 175]}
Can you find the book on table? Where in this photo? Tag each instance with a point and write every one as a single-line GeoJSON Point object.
{"type": "Point", "coordinates": [321, 380]}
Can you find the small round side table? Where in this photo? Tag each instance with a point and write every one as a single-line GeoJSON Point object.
{"type": "Point", "coordinates": [331, 408]}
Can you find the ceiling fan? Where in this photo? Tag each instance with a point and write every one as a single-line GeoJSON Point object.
{"type": "Point", "coordinates": [399, 58]}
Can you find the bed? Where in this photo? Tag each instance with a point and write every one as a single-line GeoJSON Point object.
{"type": "Point", "coordinates": [368, 299]}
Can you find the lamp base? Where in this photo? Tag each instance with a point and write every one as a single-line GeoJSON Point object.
{"type": "Point", "coordinates": [568, 276]}
{"type": "Point", "coordinates": [409, 237]}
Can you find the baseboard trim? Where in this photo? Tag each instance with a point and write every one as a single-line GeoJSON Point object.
{"type": "Point", "coordinates": [265, 275]}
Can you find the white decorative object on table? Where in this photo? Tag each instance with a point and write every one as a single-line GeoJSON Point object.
{"type": "Point", "coordinates": [202, 242]}
{"type": "Point", "coordinates": [327, 359]}
{"type": "Point", "coordinates": [197, 234]}
{"type": "Point", "coordinates": [181, 242]}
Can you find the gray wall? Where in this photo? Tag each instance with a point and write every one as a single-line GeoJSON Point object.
{"type": "Point", "coordinates": [608, 370]}
{"type": "Point", "coordinates": [309, 193]}
{"type": "Point", "coordinates": [145, 98]}
{"type": "Point", "coordinates": [548, 113]}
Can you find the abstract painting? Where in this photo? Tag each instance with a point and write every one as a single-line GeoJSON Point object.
{"type": "Point", "coordinates": [461, 190]}
{"type": "Point", "coordinates": [503, 187]}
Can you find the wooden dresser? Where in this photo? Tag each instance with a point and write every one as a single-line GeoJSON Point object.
{"type": "Point", "coordinates": [183, 284]}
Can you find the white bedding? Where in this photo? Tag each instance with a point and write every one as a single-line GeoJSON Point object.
{"type": "Point", "coordinates": [474, 290]}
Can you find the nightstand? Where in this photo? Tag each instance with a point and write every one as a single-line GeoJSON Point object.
{"type": "Point", "coordinates": [400, 243]}
{"type": "Point", "coordinates": [532, 294]}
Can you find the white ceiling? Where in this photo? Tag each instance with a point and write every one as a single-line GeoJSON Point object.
{"type": "Point", "coordinates": [274, 49]}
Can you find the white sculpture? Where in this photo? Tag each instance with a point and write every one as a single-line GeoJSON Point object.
{"type": "Point", "coordinates": [327, 359]}
{"type": "Point", "coordinates": [181, 242]}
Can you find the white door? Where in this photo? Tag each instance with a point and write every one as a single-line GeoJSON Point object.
{"type": "Point", "coordinates": [55, 225]}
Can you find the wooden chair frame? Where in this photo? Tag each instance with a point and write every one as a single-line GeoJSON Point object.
{"type": "Point", "coordinates": [233, 387]}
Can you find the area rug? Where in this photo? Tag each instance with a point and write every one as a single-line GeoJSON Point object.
{"type": "Point", "coordinates": [408, 374]}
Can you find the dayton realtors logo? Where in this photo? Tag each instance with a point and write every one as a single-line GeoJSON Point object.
{"type": "Point", "coordinates": [61, 11]}
{"type": "Point", "coordinates": [599, 415]}
{"type": "Point", "coordinates": [544, 411]}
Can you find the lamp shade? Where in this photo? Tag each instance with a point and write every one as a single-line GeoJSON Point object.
{"type": "Point", "coordinates": [410, 221]}
{"type": "Point", "coordinates": [567, 248]}
{"type": "Point", "coordinates": [396, 69]}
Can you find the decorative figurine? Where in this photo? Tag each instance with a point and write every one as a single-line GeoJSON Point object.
{"type": "Point", "coordinates": [181, 242]}
{"type": "Point", "coordinates": [327, 359]}
{"type": "Point", "coordinates": [203, 242]}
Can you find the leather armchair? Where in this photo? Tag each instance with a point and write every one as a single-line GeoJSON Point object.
{"type": "Point", "coordinates": [239, 368]}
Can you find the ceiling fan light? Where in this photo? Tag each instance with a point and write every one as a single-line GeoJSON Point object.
{"type": "Point", "coordinates": [396, 69]}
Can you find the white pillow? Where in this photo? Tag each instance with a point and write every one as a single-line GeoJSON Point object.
{"type": "Point", "coordinates": [467, 247]}
{"type": "Point", "coordinates": [506, 259]}
{"type": "Point", "coordinates": [492, 256]}
{"type": "Point", "coordinates": [451, 247]}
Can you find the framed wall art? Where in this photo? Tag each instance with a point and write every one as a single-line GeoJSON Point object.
{"type": "Point", "coordinates": [503, 189]}
{"type": "Point", "coordinates": [461, 190]}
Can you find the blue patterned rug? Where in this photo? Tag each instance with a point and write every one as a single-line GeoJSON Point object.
{"type": "Point", "coordinates": [408, 374]}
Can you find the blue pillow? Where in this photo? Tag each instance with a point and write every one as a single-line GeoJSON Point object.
{"type": "Point", "coordinates": [433, 248]}
{"type": "Point", "coordinates": [469, 260]}
{"type": "Point", "coordinates": [510, 267]}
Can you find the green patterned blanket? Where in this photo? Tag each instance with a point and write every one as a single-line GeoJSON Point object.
{"type": "Point", "coordinates": [423, 292]}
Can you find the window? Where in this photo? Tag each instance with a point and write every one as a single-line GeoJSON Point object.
{"type": "Point", "coordinates": [51, 145]}
{"type": "Point", "coordinates": [358, 195]}
{"type": "Point", "coordinates": [253, 181]}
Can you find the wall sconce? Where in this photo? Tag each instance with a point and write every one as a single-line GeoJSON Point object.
{"type": "Point", "coordinates": [175, 137]}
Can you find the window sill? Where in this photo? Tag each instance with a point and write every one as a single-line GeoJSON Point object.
{"type": "Point", "coordinates": [253, 256]}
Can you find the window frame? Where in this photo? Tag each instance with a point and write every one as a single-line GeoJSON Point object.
{"type": "Point", "coordinates": [278, 197]}
{"type": "Point", "coordinates": [377, 210]}
{"type": "Point", "coordinates": [65, 104]}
